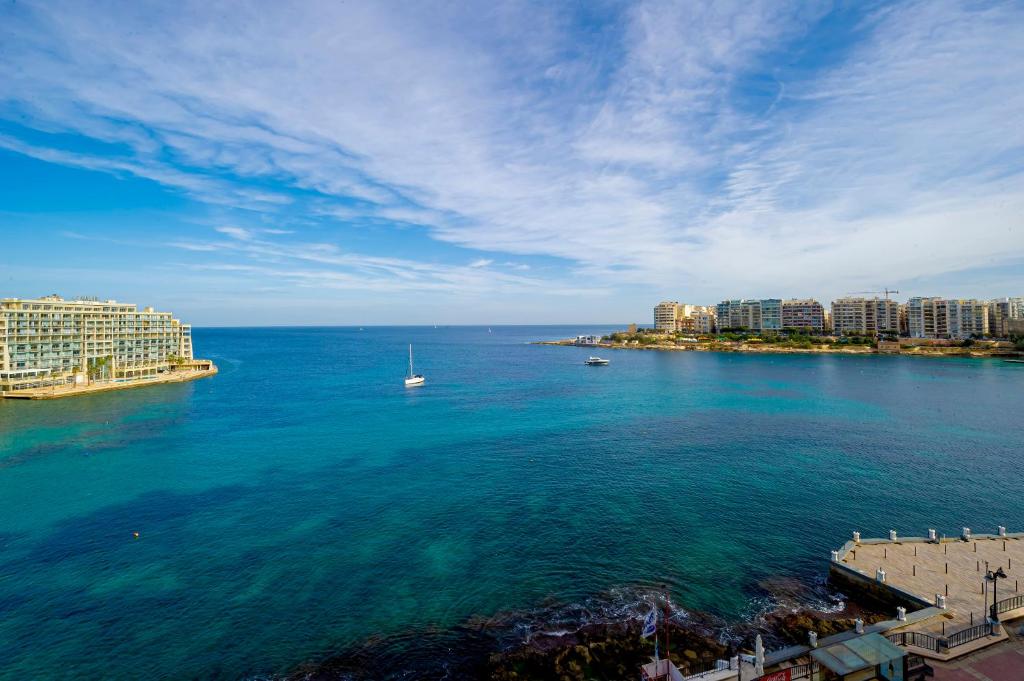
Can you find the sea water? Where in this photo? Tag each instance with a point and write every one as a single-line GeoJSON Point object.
{"type": "Point", "coordinates": [303, 502]}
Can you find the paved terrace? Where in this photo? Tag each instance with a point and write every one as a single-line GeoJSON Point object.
{"type": "Point", "coordinates": [954, 568]}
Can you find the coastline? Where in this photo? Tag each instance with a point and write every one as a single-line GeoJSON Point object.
{"type": "Point", "coordinates": [597, 639]}
{"type": "Point", "coordinates": [56, 393]}
{"type": "Point", "coordinates": [741, 347]}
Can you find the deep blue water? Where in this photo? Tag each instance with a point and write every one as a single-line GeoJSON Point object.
{"type": "Point", "coordinates": [303, 502]}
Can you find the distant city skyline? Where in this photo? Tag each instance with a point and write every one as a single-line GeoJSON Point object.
{"type": "Point", "coordinates": [376, 163]}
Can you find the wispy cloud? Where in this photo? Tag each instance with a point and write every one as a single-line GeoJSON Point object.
{"type": "Point", "coordinates": [326, 266]}
{"type": "Point", "coordinates": [625, 143]}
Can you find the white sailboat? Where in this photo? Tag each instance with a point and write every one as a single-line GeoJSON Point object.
{"type": "Point", "coordinates": [412, 379]}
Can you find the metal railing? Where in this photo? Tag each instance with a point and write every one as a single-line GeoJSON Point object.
{"type": "Point", "coordinates": [695, 669]}
{"type": "Point", "coordinates": [918, 639]}
{"type": "Point", "coordinates": [969, 634]}
{"type": "Point", "coordinates": [808, 670]}
{"type": "Point", "coordinates": [940, 644]}
{"type": "Point", "coordinates": [1011, 603]}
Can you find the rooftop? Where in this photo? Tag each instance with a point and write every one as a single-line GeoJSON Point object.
{"type": "Point", "coordinates": [856, 654]}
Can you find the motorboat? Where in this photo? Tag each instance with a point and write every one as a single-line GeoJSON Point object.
{"type": "Point", "coordinates": [596, 362]}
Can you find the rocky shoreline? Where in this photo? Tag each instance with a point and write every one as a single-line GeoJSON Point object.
{"type": "Point", "coordinates": [605, 650]}
{"type": "Point", "coordinates": [730, 346]}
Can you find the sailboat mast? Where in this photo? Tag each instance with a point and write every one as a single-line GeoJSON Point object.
{"type": "Point", "coordinates": [410, 360]}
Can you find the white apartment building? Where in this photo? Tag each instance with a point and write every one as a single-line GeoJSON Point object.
{"type": "Point", "coordinates": [926, 318]}
{"type": "Point", "coordinates": [52, 341]}
{"type": "Point", "coordinates": [672, 316]}
{"type": "Point", "coordinates": [1016, 307]}
{"type": "Point", "coordinates": [947, 318]}
{"type": "Point", "coordinates": [753, 315]}
{"type": "Point", "coordinates": [703, 320]}
{"type": "Point", "coordinates": [665, 315]}
{"type": "Point", "coordinates": [737, 314]}
{"type": "Point", "coordinates": [941, 317]}
{"type": "Point", "coordinates": [865, 316]}
{"type": "Point", "coordinates": [967, 318]}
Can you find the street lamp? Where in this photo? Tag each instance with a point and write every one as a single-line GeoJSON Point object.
{"type": "Point", "coordinates": [994, 577]}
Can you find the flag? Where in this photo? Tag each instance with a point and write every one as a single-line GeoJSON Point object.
{"type": "Point", "coordinates": [650, 623]}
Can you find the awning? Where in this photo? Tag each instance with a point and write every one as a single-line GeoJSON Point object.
{"type": "Point", "coordinates": [863, 652]}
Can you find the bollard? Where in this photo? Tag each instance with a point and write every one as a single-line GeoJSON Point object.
{"type": "Point", "coordinates": [856, 537]}
{"type": "Point", "coordinates": [892, 535]}
{"type": "Point", "coordinates": [901, 614]}
{"type": "Point", "coordinates": [931, 535]}
{"type": "Point", "coordinates": [940, 601]}
{"type": "Point", "coordinates": [858, 625]}
{"type": "Point", "coordinates": [880, 575]}
{"type": "Point", "coordinates": [812, 638]}
{"type": "Point", "coordinates": [966, 534]}
{"type": "Point", "coordinates": [835, 556]}
{"type": "Point", "coordinates": [1002, 531]}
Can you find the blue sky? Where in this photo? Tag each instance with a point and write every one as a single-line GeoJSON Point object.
{"type": "Point", "coordinates": [511, 162]}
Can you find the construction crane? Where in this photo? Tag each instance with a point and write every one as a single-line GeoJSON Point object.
{"type": "Point", "coordinates": [886, 291]}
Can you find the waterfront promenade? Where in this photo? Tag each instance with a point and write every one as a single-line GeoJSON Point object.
{"type": "Point", "coordinates": [71, 390]}
{"type": "Point", "coordinates": [946, 579]}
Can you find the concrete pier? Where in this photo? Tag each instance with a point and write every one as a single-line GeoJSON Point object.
{"type": "Point", "coordinates": [945, 576]}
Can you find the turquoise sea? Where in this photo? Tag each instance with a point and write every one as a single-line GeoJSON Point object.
{"type": "Point", "coordinates": [303, 503]}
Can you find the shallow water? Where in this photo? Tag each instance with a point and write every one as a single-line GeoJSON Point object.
{"type": "Point", "coordinates": [303, 501]}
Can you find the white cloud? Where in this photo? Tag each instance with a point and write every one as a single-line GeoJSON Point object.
{"type": "Point", "coordinates": [236, 233]}
{"type": "Point", "coordinates": [634, 158]}
{"type": "Point", "coordinates": [326, 266]}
